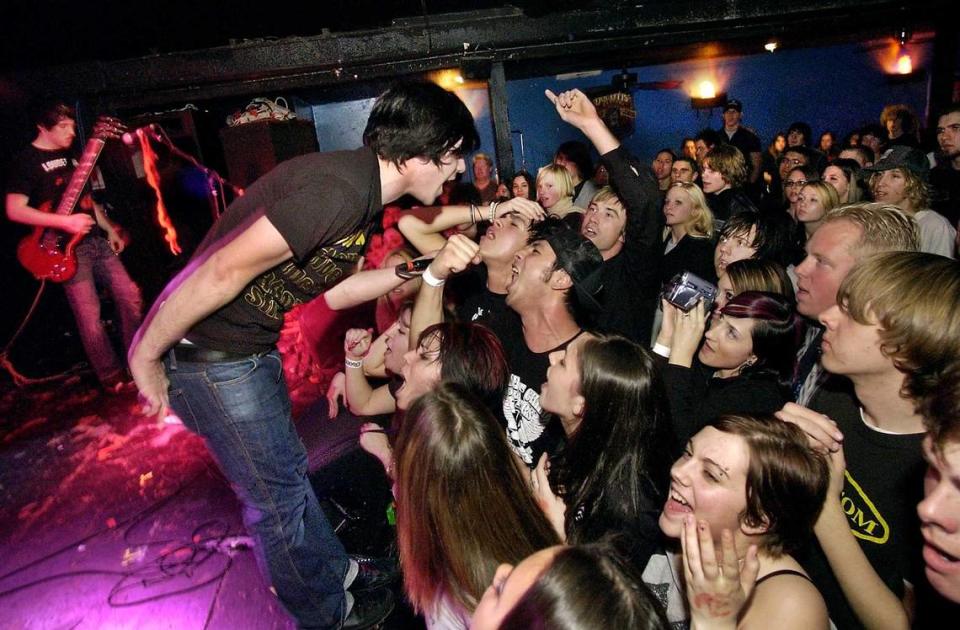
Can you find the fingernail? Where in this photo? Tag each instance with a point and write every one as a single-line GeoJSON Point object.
{"type": "Point", "coordinates": [702, 526]}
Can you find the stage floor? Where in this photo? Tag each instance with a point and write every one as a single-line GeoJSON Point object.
{"type": "Point", "coordinates": [109, 519]}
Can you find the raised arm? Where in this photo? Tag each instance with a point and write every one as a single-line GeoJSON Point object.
{"type": "Point", "coordinates": [203, 287]}
{"type": "Point", "coordinates": [874, 604]}
{"type": "Point", "coordinates": [424, 227]}
{"type": "Point", "coordinates": [458, 253]}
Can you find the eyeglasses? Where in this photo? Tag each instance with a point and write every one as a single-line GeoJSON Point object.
{"type": "Point", "coordinates": [789, 184]}
{"type": "Point", "coordinates": [793, 161]}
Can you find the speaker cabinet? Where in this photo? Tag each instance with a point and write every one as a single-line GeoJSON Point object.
{"type": "Point", "coordinates": [252, 149]}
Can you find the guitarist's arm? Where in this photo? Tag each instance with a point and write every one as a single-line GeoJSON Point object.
{"type": "Point", "coordinates": [19, 210]}
{"type": "Point", "coordinates": [115, 234]}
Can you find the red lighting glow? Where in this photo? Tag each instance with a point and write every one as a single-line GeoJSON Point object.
{"type": "Point", "coordinates": [153, 178]}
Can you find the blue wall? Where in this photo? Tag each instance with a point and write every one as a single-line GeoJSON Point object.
{"type": "Point", "coordinates": [837, 88]}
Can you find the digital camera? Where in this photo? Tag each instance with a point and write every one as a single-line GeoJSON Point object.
{"type": "Point", "coordinates": [685, 289]}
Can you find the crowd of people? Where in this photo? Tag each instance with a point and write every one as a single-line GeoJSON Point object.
{"type": "Point", "coordinates": [756, 457]}
{"type": "Point", "coordinates": [571, 444]}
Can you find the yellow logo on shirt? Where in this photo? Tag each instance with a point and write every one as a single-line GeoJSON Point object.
{"type": "Point", "coordinates": [866, 522]}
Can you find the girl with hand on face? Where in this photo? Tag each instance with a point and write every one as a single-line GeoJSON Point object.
{"type": "Point", "coordinates": [742, 364]}
{"type": "Point", "coordinates": [607, 393]}
{"type": "Point", "coordinates": [752, 487]}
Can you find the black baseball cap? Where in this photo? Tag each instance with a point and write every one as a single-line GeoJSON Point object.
{"type": "Point", "coordinates": [733, 104]}
{"type": "Point", "coordinates": [576, 255]}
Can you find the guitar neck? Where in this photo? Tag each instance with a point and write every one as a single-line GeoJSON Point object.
{"type": "Point", "coordinates": [80, 176]}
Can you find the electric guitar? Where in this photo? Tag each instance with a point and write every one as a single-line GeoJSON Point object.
{"type": "Point", "coordinates": [47, 252]}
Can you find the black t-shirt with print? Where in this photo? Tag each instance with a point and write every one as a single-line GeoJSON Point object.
{"type": "Point", "coordinates": [476, 303]}
{"type": "Point", "coordinates": [882, 486]}
{"type": "Point", "coordinates": [323, 205]}
{"type": "Point", "coordinates": [528, 432]}
{"type": "Point", "coordinates": [43, 176]}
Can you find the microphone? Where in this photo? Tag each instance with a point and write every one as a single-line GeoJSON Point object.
{"type": "Point", "coordinates": [153, 132]}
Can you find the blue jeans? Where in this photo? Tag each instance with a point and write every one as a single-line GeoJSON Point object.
{"type": "Point", "coordinates": [242, 410]}
{"type": "Point", "coordinates": [97, 265]}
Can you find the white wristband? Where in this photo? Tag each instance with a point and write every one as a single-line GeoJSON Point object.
{"type": "Point", "coordinates": [352, 363]}
{"type": "Point", "coordinates": [431, 279]}
{"type": "Point", "coordinates": [662, 350]}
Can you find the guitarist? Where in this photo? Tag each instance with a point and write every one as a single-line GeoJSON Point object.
{"type": "Point", "coordinates": [38, 177]}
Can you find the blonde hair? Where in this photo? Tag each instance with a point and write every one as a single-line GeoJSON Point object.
{"type": "Point", "coordinates": [700, 224]}
{"type": "Point", "coordinates": [914, 298]}
{"type": "Point", "coordinates": [914, 189]}
{"type": "Point", "coordinates": [826, 193]}
{"type": "Point", "coordinates": [883, 228]}
{"type": "Point", "coordinates": [561, 179]}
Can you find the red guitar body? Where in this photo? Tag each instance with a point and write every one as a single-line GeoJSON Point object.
{"type": "Point", "coordinates": [48, 253]}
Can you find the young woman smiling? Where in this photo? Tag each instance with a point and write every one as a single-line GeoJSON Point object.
{"type": "Point", "coordinates": [749, 485]}
{"type": "Point", "coordinates": [741, 365]}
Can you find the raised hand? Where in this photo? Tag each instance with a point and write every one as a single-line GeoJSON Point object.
{"type": "Point", "coordinates": [687, 333]}
{"type": "Point", "coordinates": [821, 430]}
{"type": "Point", "coordinates": [574, 107]}
{"type": "Point", "coordinates": [458, 253]}
{"type": "Point", "coordinates": [552, 506]}
{"type": "Point", "coordinates": [717, 586]}
{"type": "Point", "coordinates": [356, 342]}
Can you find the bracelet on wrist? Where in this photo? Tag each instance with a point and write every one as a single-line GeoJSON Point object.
{"type": "Point", "coordinates": [473, 214]}
{"type": "Point", "coordinates": [353, 363]}
{"type": "Point", "coordinates": [493, 211]}
{"type": "Point", "coordinates": [662, 350]}
{"type": "Point", "coordinates": [431, 279]}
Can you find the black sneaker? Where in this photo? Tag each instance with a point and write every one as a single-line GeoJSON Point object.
{"type": "Point", "coordinates": [370, 608]}
{"type": "Point", "coordinates": [373, 573]}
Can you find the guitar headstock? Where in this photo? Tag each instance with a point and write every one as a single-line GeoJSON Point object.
{"type": "Point", "coordinates": [108, 127]}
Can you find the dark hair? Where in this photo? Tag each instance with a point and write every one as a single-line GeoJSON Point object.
{"type": "Point", "coordinates": [471, 355]}
{"type": "Point", "coordinates": [941, 410]}
{"type": "Point", "coordinates": [419, 119]}
{"type": "Point", "coordinates": [774, 234]}
{"type": "Point", "coordinates": [531, 184]}
{"type": "Point", "coordinates": [874, 130]}
{"type": "Point", "coordinates": [673, 156]}
{"type": "Point", "coordinates": [616, 463]}
{"type": "Point", "coordinates": [786, 479]}
{"type": "Point", "coordinates": [851, 171]}
{"type": "Point", "coordinates": [49, 113]}
{"type": "Point", "coordinates": [728, 160]}
{"type": "Point", "coordinates": [463, 507]}
{"type": "Point", "coordinates": [690, 161]}
{"type": "Point", "coordinates": [587, 587]}
{"type": "Point", "coordinates": [815, 159]}
{"type": "Point", "coordinates": [865, 152]}
{"type": "Point", "coordinates": [710, 137]}
{"type": "Point", "coordinates": [581, 263]}
{"type": "Point", "coordinates": [776, 330]}
{"type": "Point", "coordinates": [810, 172]}
{"type": "Point", "coordinates": [804, 130]}
{"type": "Point", "coordinates": [578, 153]}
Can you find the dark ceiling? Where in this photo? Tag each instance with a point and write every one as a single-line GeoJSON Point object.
{"type": "Point", "coordinates": [48, 32]}
{"type": "Point", "coordinates": [172, 51]}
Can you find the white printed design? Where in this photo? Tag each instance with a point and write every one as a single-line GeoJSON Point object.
{"type": "Point", "coordinates": [521, 408]}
